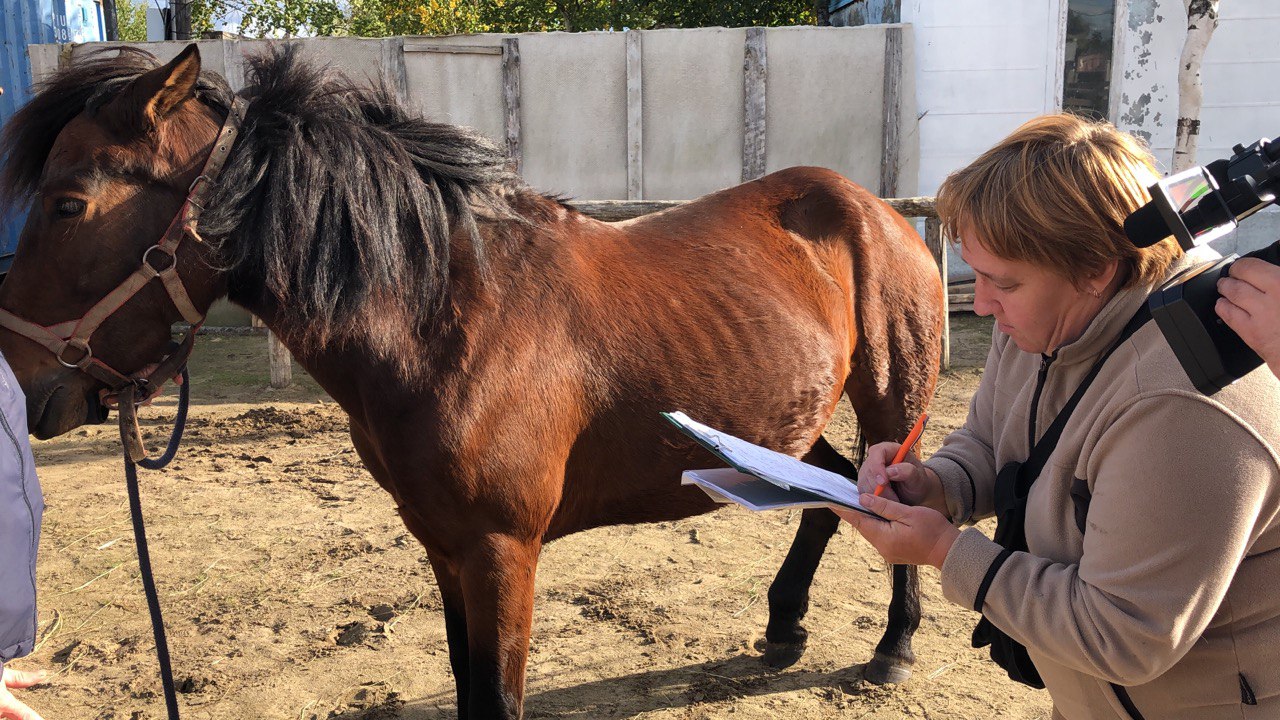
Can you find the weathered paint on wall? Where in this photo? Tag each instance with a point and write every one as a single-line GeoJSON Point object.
{"type": "Point", "coordinates": [1148, 45]}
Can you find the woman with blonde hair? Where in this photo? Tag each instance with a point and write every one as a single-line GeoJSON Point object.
{"type": "Point", "coordinates": [1134, 568]}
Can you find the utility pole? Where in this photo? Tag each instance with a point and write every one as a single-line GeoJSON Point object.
{"type": "Point", "coordinates": [109, 19]}
{"type": "Point", "coordinates": [181, 19]}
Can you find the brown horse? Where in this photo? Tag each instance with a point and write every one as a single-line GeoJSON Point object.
{"type": "Point", "coordinates": [503, 358]}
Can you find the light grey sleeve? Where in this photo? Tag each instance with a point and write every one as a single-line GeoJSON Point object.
{"type": "Point", "coordinates": [21, 510]}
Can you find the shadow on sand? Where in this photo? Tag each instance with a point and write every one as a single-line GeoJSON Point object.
{"type": "Point", "coordinates": [627, 696]}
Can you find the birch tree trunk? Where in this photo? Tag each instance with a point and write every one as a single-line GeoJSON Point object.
{"type": "Point", "coordinates": [1202, 20]}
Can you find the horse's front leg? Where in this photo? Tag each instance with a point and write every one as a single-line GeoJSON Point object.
{"type": "Point", "coordinates": [455, 627]}
{"type": "Point", "coordinates": [785, 637]}
{"type": "Point", "coordinates": [497, 578]}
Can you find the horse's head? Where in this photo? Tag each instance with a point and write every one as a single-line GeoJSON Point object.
{"type": "Point", "coordinates": [104, 157]}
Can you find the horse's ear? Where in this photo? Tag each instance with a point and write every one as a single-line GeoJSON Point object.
{"type": "Point", "coordinates": [156, 93]}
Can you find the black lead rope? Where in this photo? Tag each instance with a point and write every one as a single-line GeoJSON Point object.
{"type": "Point", "coordinates": [140, 540]}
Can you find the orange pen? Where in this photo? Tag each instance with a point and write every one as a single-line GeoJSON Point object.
{"type": "Point", "coordinates": [913, 437]}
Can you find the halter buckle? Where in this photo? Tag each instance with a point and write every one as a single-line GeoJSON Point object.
{"type": "Point", "coordinates": [191, 188]}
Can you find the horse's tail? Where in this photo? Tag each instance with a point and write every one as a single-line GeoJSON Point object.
{"type": "Point", "coordinates": [898, 312]}
{"type": "Point", "coordinates": [894, 294]}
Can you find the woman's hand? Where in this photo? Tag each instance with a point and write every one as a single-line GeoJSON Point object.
{"type": "Point", "coordinates": [909, 481]}
{"type": "Point", "coordinates": [911, 535]}
{"type": "Point", "coordinates": [10, 707]}
{"type": "Point", "coordinates": [1250, 305]}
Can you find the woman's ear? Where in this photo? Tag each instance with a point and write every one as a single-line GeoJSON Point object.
{"type": "Point", "coordinates": [1105, 281]}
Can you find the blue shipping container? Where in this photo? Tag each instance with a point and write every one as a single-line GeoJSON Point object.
{"type": "Point", "coordinates": [32, 22]}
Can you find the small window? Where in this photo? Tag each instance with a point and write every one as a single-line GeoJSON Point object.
{"type": "Point", "coordinates": [1087, 61]}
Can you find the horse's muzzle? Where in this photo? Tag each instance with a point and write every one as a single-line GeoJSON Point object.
{"type": "Point", "coordinates": [63, 408]}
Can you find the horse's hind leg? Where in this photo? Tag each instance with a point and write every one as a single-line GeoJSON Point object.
{"type": "Point", "coordinates": [891, 380]}
{"type": "Point", "coordinates": [789, 594]}
{"type": "Point", "coordinates": [785, 637]}
{"type": "Point", "coordinates": [894, 656]}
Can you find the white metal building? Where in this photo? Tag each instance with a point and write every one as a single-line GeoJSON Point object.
{"type": "Point", "coordinates": [985, 66]}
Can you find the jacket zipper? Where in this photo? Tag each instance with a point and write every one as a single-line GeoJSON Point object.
{"type": "Point", "coordinates": [1045, 360]}
{"type": "Point", "coordinates": [22, 468]}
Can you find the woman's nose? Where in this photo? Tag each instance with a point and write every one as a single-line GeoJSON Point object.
{"type": "Point", "coordinates": [983, 305]}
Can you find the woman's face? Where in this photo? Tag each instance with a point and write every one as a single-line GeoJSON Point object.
{"type": "Point", "coordinates": [1040, 310]}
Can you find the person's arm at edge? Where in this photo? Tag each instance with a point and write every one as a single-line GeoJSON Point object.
{"type": "Point", "coordinates": [11, 708]}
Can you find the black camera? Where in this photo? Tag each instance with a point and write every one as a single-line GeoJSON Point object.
{"type": "Point", "coordinates": [1196, 206]}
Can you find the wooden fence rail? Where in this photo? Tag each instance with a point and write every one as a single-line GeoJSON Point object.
{"type": "Point", "coordinates": [617, 210]}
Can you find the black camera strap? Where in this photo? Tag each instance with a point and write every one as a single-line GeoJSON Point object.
{"type": "Point", "coordinates": [1013, 485]}
{"type": "Point", "coordinates": [1008, 495]}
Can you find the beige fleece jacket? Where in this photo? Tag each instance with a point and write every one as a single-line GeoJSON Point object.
{"type": "Point", "coordinates": [1173, 590]}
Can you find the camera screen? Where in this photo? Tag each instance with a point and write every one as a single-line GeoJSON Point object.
{"type": "Point", "coordinates": [1193, 207]}
{"type": "Point", "coordinates": [1187, 191]}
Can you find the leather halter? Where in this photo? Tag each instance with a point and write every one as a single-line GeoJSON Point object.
{"type": "Point", "coordinates": [69, 341]}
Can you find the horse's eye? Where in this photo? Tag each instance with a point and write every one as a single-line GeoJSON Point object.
{"type": "Point", "coordinates": [69, 207]}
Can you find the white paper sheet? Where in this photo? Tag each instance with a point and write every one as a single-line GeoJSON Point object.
{"type": "Point", "coordinates": [781, 470]}
{"type": "Point", "coordinates": [727, 485]}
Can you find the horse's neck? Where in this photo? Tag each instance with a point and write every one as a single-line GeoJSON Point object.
{"type": "Point", "coordinates": [521, 266]}
{"type": "Point", "coordinates": [515, 257]}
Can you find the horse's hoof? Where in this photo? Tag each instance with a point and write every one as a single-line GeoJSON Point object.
{"type": "Point", "coordinates": [883, 670]}
{"type": "Point", "coordinates": [779, 655]}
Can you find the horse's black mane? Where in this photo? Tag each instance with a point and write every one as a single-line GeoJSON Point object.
{"type": "Point", "coordinates": [336, 205]}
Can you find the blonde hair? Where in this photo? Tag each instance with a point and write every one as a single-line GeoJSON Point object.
{"type": "Point", "coordinates": [1055, 193]}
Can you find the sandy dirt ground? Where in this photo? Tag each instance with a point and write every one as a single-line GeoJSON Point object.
{"type": "Point", "coordinates": [292, 591]}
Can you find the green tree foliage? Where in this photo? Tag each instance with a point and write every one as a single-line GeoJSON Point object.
{"type": "Point", "coordinates": [707, 13]}
{"type": "Point", "coordinates": [131, 20]}
{"type": "Point", "coordinates": [380, 18]}
{"type": "Point", "coordinates": [273, 18]}
{"type": "Point", "coordinates": [578, 15]}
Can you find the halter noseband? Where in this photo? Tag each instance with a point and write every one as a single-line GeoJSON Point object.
{"type": "Point", "coordinates": [69, 341]}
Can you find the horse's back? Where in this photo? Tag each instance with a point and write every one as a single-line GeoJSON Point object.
{"type": "Point", "coordinates": [839, 223]}
{"type": "Point", "coordinates": [810, 202]}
